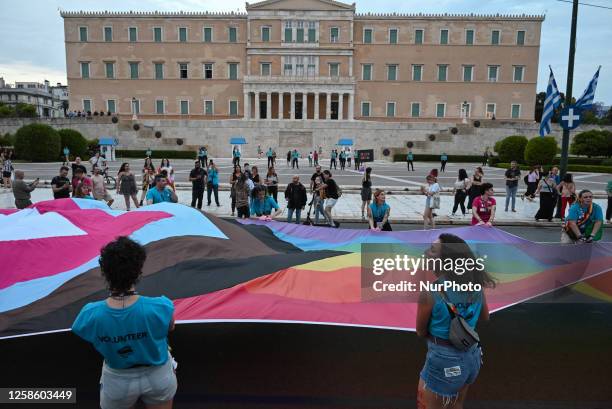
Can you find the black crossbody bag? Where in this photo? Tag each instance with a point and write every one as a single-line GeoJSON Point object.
{"type": "Point", "coordinates": [460, 334]}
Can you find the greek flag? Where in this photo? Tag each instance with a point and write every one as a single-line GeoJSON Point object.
{"type": "Point", "coordinates": [586, 100]}
{"type": "Point", "coordinates": [552, 101]}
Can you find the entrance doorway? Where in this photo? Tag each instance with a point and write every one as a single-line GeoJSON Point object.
{"type": "Point", "coordinates": [298, 109]}
{"type": "Point", "coordinates": [263, 109]}
{"type": "Point", "coordinates": [334, 110]}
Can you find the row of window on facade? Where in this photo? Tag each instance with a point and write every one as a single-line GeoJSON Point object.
{"type": "Point", "coordinates": [308, 32]}
{"type": "Point", "coordinates": [161, 107]}
{"type": "Point", "coordinates": [417, 71]}
{"type": "Point", "coordinates": [26, 98]}
{"type": "Point", "coordinates": [159, 71]}
{"type": "Point", "coordinates": [298, 69]}
{"type": "Point", "coordinates": [391, 109]}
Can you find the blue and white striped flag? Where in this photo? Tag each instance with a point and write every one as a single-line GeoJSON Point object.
{"type": "Point", "coordinates": [552, 101]}
{"type": "Point", "coordinates": [588, 96]}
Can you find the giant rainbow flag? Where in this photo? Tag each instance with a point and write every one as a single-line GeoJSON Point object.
{"type": "Point", "coordinates": [225, 271]}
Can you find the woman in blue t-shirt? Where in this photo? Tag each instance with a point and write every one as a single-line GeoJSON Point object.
{"type": "Point", "coordinates": [131, 333]}
{"type": "Point", "coordinates": [262, 204]}
{"type": "Point", "coordinates": [378, 212]}
{"type": "Point", "coordinates": [448, 371]}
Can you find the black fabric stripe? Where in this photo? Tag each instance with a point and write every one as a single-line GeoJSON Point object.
{"type": "Point", "coordinates": [185, 279]}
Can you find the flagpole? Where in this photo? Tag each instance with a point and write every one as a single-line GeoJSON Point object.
{"type": "Point", "coordinates": [568, 90]}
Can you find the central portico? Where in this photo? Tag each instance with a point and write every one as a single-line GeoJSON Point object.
{"type": "Point", "coordinates": [294, 71]}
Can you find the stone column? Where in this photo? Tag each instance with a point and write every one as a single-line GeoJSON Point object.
{"type": "Point", "coordinates": [305, 105]}
{"type": "Point", "coordinates": [316, 105]}
{"type": "Point", "coordinates": [292, 107]}
{"type": "Point", "coordinates": [257, 111]}
{"type": "Point", "coordinates": [268, 105]}
{"type": "Point", "coordinates": [247, 105]}
{"type": "Point", "coordinates": [281, 107]}
{"type": "Point", "coordinates": [351, 106]}
{"type": "Point", "coordinates": [340, 106]}
{"type": "Point", "coordinates": [328, 106]}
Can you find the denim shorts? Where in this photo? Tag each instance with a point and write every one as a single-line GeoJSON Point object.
{"type": "Point", "coordinates": [121, 388]}
{"type": "Point", "coordinates": [447, 369]}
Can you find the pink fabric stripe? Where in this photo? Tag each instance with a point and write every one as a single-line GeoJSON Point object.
{"type": "Point", "coordinates": [24, 260]}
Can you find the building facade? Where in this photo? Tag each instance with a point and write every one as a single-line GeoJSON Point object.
{"type": "Point", "coordinates": [43, 97]}
{"type": "Point", "coordinates": [303, 59]}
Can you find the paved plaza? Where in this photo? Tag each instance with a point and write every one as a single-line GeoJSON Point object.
{"type": "Point", "coordinates": [406, 207]}
{"type": "Point", "coordinates": [387, 175]}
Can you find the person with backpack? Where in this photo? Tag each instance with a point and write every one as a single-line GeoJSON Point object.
{"type": "Point", "coordinates": [531, 180]}
{"type": "Point", "coordinates": [447, 319]}
{"type": "Point", "coordinates": [547, 189]}
{"type": "Point", "coordinates": [333, 193]}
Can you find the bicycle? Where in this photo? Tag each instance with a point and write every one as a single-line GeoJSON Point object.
{"type": "Point", "coordinates": [109, 181]}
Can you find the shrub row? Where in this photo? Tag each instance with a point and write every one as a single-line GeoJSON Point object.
{"type": "Point", "coordinates": [401, 157]}
{"type": "Point", "coordinates": [125, 153]}
{"type": "Point", "coordinates": [570, 168]}
{"type": "Point", "coordinates": [572, 160]}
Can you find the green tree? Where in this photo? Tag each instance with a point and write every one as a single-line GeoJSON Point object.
{"type": "Point", "coordinates": [541, 151]}
{"type": "Point", "coordinates": [590, 143]}
{"type": "Point", "coordinates": [25, 110]}
{"type": "Point", "coordinates": [512, 148]}
{"type": "Point", "coordinates": [6, 111]}
{"type": "Point", "coordinates": [76, 143]}
{"type": "Point", "coordinates": [37, 143]}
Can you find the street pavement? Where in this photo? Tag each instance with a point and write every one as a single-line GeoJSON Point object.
{"type": "Point", "coordinates": [384, 174]}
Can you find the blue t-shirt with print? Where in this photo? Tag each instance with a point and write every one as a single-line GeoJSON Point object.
{"type": "Point", "coordinates": [576, 212]}
{"type": "Point", "coordinates": [410, 156]}
{"type": "Point", "coordinates": [159, 197]}
{"type": "Point", "coordinates": [135, 335]}
{"type": "Point", "coordinates": [263, 207]}
{"type": "Point", "coordinates": [444, 157]}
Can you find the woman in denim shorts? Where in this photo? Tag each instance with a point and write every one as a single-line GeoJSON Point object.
{"type": "Point", "coordinates": [131, 333]}
{"type": "Point", "coordinates": [448, 371]}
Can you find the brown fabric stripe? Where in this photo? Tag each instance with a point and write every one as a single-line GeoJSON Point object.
{"type": "Point", "coordinates": [161, 254]}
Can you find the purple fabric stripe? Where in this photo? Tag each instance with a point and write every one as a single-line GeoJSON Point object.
{"type": "Point", "coordinates": [471, 233]}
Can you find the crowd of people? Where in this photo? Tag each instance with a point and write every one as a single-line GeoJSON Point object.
{"type": "Point", "coordinates": [255, 194]}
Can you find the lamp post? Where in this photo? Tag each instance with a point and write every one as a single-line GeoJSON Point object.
{"type": "Point", "coordinates": [568, 90]}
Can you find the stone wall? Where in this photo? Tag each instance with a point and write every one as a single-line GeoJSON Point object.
{"type": "Point", "coordinates": [303, 135]}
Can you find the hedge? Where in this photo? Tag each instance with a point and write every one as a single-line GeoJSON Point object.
{"type": "Point", "coordinates": [37, 143]}
{"type": "Point", "coordinates": [122, 153]}
{"type": "Point", "coordinates": [75, 141]}
{"type": "Point", "coordinates": [572, 160]}
{"type": "Point", "coordinates": [401, 157]}
{"type": "Point", "coordinates": [592, 143]}
{"type": "Point", "coordinates": [7, 140]}
{"type": "Point", "coordinates": [512, 148]}
{"type": "Point", "coordinates": [570, 168]}
{"type": "Point", "coordinates": [540, 150]}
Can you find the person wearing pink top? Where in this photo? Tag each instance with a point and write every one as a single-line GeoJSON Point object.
{"type": "Point", "coordinates": [483, 207]}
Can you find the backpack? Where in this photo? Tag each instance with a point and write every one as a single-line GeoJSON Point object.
{"type": "Point", "coordinates": [460, 333]}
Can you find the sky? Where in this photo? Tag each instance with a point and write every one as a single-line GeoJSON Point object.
{"type": "Point", "coordinates": [32, 36]}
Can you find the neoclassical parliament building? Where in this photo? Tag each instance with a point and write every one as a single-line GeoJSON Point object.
{"type": "Point", "coordinates": [303, 59]}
